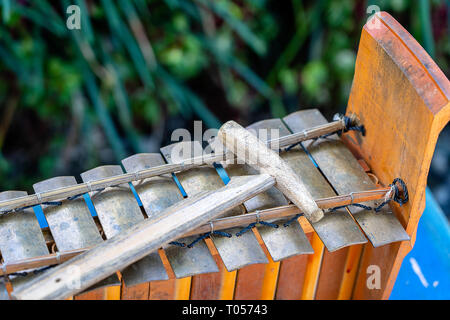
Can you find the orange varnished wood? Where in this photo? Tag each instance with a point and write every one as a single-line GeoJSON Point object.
{"type": "Point", "coordinates": [269, 287]}
{"type": "Point", "coordinates": [291, 277]}
{"type": "Point", "coordinates": [183, 288]}
{"type": "Point", "coordinates": [402, 98]}
{"type": "Point", "coordinates": [137, 292]}
{"type": "Point", "coordinates": [228, 285]}
{"type": "Point", "coordinates": [350, 272]}
{"type": "Point", "coordinates": [215, 286]}
{"type": "Point", "coordinates": [263, 279]}
{"type": "Point", "coordinates": [271, 272]}
{"type": "Point", "coordinates": [249, 280]}
{"type": "Point", "coordinates": [114, 293]}
{"type": "Point", "coordinates": [162, 290]}
{"type": "Point", "coordinates": [331, 274]}
{"type": "Point", "coordinates": [208, 285]}
{"type": "Point", "coordinates": [97, 294]}
{"type": "Point", "coordinates": [313, 268]}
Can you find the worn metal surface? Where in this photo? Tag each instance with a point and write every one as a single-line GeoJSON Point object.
{"type": "Point", "coordinates": [20, 234]}
{"type": "Point", "coordinates": [346, 175]}
{"type": "Point", "coordinates": [71, 223]}
{"type": "Point", "coordinates": [236, 252]}
{"type": "Point", "coordinates": [156, 193]}
{"type": "Point", "coordinates": [118, 210]}
{"type": "Point", "coordinates": [20, 238]}
{"type": "Point", "coordinates": [116, 207]}
{"type": "Point", "coordinates": [3, 292]}
{"type": "Point", "coordinates": [336, 230]}
{"type": "Point", "coordinates": [268, 199]}
{"type": "Point", "coordinates": [187, 262]}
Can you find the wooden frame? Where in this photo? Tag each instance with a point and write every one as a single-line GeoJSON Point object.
{"type": "Point", "coordinates": [399, 93]}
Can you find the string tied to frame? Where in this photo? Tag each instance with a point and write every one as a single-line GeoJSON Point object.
{"type": "Point", "coordinates": [349, 125]}
{"type": "Point", "coordinates": [253, 224]}
{"type": "Point", "coordinates": [394, 194]}
{"type": "Point", "coordinates": [26, 273]}
{"type": "Point", "coordinates": [206, 235]}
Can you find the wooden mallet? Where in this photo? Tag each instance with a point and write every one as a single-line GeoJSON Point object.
{"type": "Point", "coordinates": [140, 240]}
{"type": "Point", "coordinates": [255, 153]}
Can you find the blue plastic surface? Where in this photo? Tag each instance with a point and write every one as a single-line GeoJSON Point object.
{"type": "Point", "coordinates": [425, 272]}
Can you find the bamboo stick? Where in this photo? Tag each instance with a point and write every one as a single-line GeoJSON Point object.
{"type": "Point", "coordinates": [140, 240]}
{"type": "Point", "coordinates": [216, 224]}
{"type": "Point", "coordinates": [62, 194]}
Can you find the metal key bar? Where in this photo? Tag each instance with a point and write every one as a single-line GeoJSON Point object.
{"type": "Point", "coordinates": [20, 237]}
{"type": "Point", "coordinates": [62, 193]}
{"type": "Point", "coordinates": [336, 230]}
{"type": "Point", "coordinates": [196, 260]}
{"type": "Point", "coordinates": [282, 242]}
{"type": "Point", "coordinates": [71, 223]}
{"type": "Point", "coordinates": [118, 211]}
{"type": "Point", "coordinates": [236, 252]}
{"type": "Point", "coordinates": [345, 174]}
{"type": "Point", "coordinates": [20, 234]}
{"type": "Point", "coordinates": [217, 224]}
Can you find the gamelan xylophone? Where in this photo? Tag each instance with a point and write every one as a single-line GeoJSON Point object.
{"type": "Point", "coordinates": [212, 227]}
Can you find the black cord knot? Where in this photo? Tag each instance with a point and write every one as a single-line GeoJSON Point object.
{"type": "Point", "coordinates": [222, 233]}
{"type": "Point", "coordinates": [289, 222]}
{"type": "Point", "coordinates": [350, 125]}
{"type": "Point", "coordinates": [178, 244]}
{"type": "Point", "coordinates": [206, 235]}
{"type": "Point", "coordinates": [52, 203]}
{"type": "Point", "coordinates": [74, 197]}
{"type": "Point", "coordinates": [400, 197]}
{"type": "Point", "coordinates": [199, 238]}
{"type": "Point", "coordinates": [268, 224]}
{"type": "Point", "coordinates": [244, 230]}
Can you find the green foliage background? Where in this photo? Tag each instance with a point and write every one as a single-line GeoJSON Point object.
{"type": "Point", "coordinates": [72, 100]}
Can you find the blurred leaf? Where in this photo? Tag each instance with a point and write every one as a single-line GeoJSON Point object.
{"type": "Point", "coordinates": [425, 22]}
{"type": "Point", "coordinates": [4, 165]}
{"type": "Point", "coordinates": [186, 60]}
{"type": "Point", "coordinates": [344, 63]}
{"type": "Point", "coordinates": [85, 21]}
{"type": "Point", "coordinates": [399, 5]}
{"type": "Point", "coordinates": [314, 78]}
{"type": "Point", "coordinates": [340, 14]}
{"type": "Point", "coordinates": [119, 28]}
{"type": "Point", "coordinates": [151, 111]}
{"type": "Point", "coordinates": [224, 9]}
{"type": "Point", "coordinates": [103, 115]}
{"type": "Point", "coordinates": [122, 103]}
{"type": "Point", "coordinates": [189, 99]}
{"type": "Point", "coordinates": [6, 10]}
{"type": "Point", "coordinates": [53, 25]}
{"type": "Point", "coordinates": [289, 81]}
